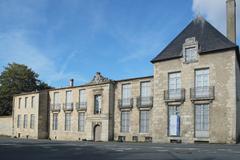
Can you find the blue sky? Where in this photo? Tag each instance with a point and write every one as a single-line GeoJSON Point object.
{"type": "Point", "coordinates": [63, 39]}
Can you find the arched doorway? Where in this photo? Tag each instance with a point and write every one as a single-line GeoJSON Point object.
{"type": "Point", "coordinates": [97, 132]}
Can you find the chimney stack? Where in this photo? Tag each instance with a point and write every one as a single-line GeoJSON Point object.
{"type": "Point", "coordinates": [71, 82]}
{"type": "Point", "coordinates": [231, 20]}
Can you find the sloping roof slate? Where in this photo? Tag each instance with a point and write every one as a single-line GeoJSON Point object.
{"type": "Point", "coordinates": [208, 37]}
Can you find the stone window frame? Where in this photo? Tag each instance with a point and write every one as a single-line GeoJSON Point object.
{"type": "Point", "coordinates": [32, 121]}
{"type": "Point", "coordinates": [130, 91]}
{"type": "Point", "coordinates": [68, 122]}
{"type": "Point", "coordinates": [19, 121]}
{"type": "Point", "coordinates": [195, 118]}
{"type": "Point", "coordinates": [190, 43]}
{"type": "Point", "coordinates": [82, 98]}
{"type": "Point", "coordinates": [177, 108]}
{"type": "Point", "coordinates": [26, 102]}
{"type": "Point", "coordinates": [147, 121]}
{"type": "Point", "coordinates": [25, 121]}
{"type": "Point", "coordinates": [32, 101]}
{"type": "Point", "coordinates": [19, 102]}
{"type": "Point", "coordinates": [81, 121]}
{"type": "Point", "coordinates": [55, 121]}
{"type": "Point", "coordinates": [127, 120]}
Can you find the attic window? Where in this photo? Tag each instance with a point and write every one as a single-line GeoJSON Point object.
{"type": "Point", "coordinates": [190, 54]}
{"type": "Point", "coordinates": [190, 50]}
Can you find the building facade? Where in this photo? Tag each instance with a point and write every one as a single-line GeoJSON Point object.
{"type": "Point", "coordinates": [30, 115]}
{"type": "Point", "coordinates": [193, 96]}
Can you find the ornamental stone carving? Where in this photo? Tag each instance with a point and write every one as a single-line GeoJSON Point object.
{"type": "Point", "coordinates": [98, 78]}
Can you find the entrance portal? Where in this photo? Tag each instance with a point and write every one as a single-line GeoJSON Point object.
{"type": "Point", "coordinates": [97, 132]}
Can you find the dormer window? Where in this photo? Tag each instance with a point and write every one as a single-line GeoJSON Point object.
{"type": "Point", "coordinates": [190, 54]}
{"type": "Point", "coordinates": [190, 50]}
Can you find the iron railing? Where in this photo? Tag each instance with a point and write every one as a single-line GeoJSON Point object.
{"type": "Point", "coordinates": [125, 103]}
{"type": "Point", "coordinates": [202, 93]}
{"type": "Point", "coordinates": [174, 95]}
{"type": "Point", "coordinates": [143, 102]}
{"type": "Point", "coordinates": [56, 107]}
{"type": "Point", "coordinates": [68, 106]}
{"type": "Point", "coordinates": [81, 106]}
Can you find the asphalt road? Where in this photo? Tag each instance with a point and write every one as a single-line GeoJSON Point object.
{"type": "Point", "coordinates": [22, 149]}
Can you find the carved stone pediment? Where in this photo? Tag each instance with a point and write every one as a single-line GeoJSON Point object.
{"type": "Point", "coordinates": [98, 78]}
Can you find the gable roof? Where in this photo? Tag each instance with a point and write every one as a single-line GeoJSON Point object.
{"type": "Point", "coordinates": [208, 37]}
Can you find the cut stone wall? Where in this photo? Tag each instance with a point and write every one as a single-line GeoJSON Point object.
{"type": "Point", "coordinates": [6, 125]}
{"type": "Point", "coordinates": [222, 110]}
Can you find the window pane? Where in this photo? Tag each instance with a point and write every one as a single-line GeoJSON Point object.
{"type": "Point", "coordinates": [25, 121]}
{"type": "Point", "coordinates": [97, 104]}
{"type": "Point", "coordinates": [82, 96]}
{"type": "Point", "coordinates": [144, 121]}
{"type": "Point", "coordinates": [125, 122]}
{"type": "Point", "coordinates": [33, 101]}
{"type": "Point", "coordinates": [56, 98]}
{"type": "Point", "coordinates": [18, 121]}
{"type": "Point", "coordinates": [67, 121]}
{"type": "Point", "coordinates": [26, 102]}
{"type": "Point", "coordinates": [69, 97]}
{"type": "Point", "coordinates": [190, 54]}
{"type": "Point", "coordinates": [81, 121]}
{"type": "Point", "coordinates": [32, 121]}
{"type": "Point", "coordinates": [55, 121]}
{"type": "Point", "coordinates": [202, 120]}
{"type": "Point", "coordinates": [126, 94]}
{"type": "Point", "coordinates": [174, 120]}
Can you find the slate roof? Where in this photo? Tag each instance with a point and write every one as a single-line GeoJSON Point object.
{"type": "Point", "coordinates": [208, 37]}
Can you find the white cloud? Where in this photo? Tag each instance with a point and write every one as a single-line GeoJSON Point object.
{"type": "Point", "coordinates": [15, 47]}
{"type": "Point", "coordinates": [215, 12]}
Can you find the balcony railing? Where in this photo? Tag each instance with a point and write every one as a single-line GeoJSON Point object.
{"type": "Point", "coordinates": [173, 95]}
{"type": "Point", "coordinates": [202, 93]}
{"type": "Point", "coordinates": [125, 103]}
{"type": "Point", "coordinates": [81, 106]}
{"type": "Point", "coordinates": [68, 106]}
{"type": "Point", "coordinates": [56, 107]}
{"type": "Point", "coordinates": [145, 102]}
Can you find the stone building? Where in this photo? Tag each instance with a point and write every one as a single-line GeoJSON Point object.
{"type": "Point", "coordinates": [30, 115]}
{"type": "Point", "coordinates": [84, 112]}
{"type": "Point", "coordinates": [193, 96]}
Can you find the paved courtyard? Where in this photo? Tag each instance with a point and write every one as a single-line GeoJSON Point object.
{"type": "Point", "coordinates": [62, 150]}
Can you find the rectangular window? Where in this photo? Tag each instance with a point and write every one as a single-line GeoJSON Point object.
{"type": "Point", "coordinates": [202, 120]}
{"type": "Point", "coordinates": [69, 100]}
{"type": "Point", "coordinates": [174, 85]}
{"type": "Point", "coordinates": [33, 101]}
{"type": "Point", "coordinates": [125, 121]}
{"type": "Point", "coordinates": [144, 121]}
{"type": "Point", "coordinates": [202, 82]}
{"type": "Point", "coordinates": [97, 104]}
{"type": "Point", "coordinates": [25, 121]}
{"type": "Point", "coordinates": [55, 121]}
{"type": "Point", "coordinates": [174, 120]}
{"type": "Point", "coordinates": [32, 121]}
{"type": "Point", "coordinates": [146, 93]}
{"type": "Point", "coordinates": [190, 54]}
{"type": "Point", "coordinates": [18, 121]}
{"type": "Point", "coordinates": [82, 96]}
{"type": "Point", "coordinates": [126, 94]}
{"type": "Point", "coordinates": [67, 121]}
{"type": "Point", "coordinates": [19, 102]}
{"type": "Point", "coordinates": [56, 98]}
{"type": "Point", "coordinates": [81, 121]}
{"type": "Point", "coordinates": [26, 102]}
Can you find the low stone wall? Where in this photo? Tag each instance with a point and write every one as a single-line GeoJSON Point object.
{"type": "Point", "coordinates": [5, 125]}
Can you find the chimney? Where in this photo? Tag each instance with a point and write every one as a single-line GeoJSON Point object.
{"type": "Point", "coordinates": [231, 20]}
{"type": "Point", "coordinates": [71, 82]}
